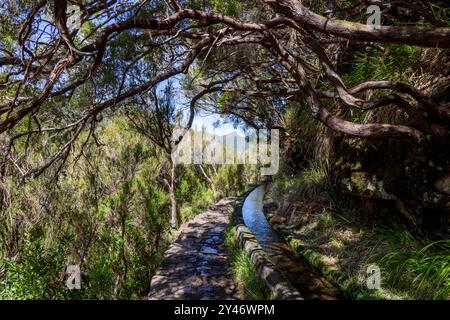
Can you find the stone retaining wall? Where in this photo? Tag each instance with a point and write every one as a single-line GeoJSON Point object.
{"type": "Point", "coordinates": [281, 288]}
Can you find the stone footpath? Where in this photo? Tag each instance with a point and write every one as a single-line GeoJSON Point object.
{"type": "Point", "coordinates": [196, 266]}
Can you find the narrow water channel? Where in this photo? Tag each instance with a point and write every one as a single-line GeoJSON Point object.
{"type": "Point", "coordinates": [256, 221]}
{"type": "Point", "coordinates": [295, 268]}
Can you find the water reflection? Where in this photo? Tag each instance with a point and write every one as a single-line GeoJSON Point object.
{"type": "Point", "coordinates": [255, 220]}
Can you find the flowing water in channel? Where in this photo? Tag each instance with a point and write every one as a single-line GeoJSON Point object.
{"type": "Point", "coordinates": [294, 267]}
{"type": "Point", "coordinates": [256, 221]}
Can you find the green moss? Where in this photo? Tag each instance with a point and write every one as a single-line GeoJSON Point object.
{"type": "Point", "coordinates": [356, 166]}
{"type": "Point", "coordinates": [360, 181]}
{"type": "Point", "coordinates": [356, 25]}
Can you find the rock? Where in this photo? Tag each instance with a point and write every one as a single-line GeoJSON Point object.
{"type": "Point", "coordinates": [443, 185]}
{"type": "Point", "coordinates": [205, 288]}
{"type": "Point", "coordinates": [208, 250]}
{"type": "Point", "coordinates": [203, 268]}
{"type": "Point", "coordinates": [360, 183]}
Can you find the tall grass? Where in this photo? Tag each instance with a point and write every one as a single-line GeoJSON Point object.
{"type": "Point", "coordinates": [244, 271]}
{"type": "Point", "coordinates": [375, 65]}
{"type": "Point", "coordinates": [309, 183]}
{"type": "Point", "coordinates": [419, 266]}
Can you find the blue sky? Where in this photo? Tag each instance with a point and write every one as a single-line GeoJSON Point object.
{"type": "Point", "coordinates": [207, 121]}
{"type": "Point", "coordinates": [202, 118]}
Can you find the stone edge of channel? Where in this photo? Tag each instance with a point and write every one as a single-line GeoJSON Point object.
{"type": "Point", "coordinates": [281, 288]}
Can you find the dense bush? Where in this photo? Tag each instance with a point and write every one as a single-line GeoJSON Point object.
{"type": "Point", "coordinates": [107, 211]}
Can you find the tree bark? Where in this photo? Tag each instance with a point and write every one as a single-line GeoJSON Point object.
{"type": "Point", "coordinates": [174, 218]}
{"type": "Point", "coordinates": [421, 36]}
{"type": "Point", "coordinates": [209, 180]}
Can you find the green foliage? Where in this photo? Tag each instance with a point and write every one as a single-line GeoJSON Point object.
{"type": "Point", "coordinates": [228, 7]}
{"type": "Point", "coordinates": [108, 211]}
{"type": "Point", "coordinates": [38, 273]}
{"type": "Point", "coordinates": [193, 194]}
{"type": "Point", "coordinates": [342, 248]}
{"type": "Point", "coordinates": [308, 183]}
{"type": "Point", "coordinates": [112, 210]}
{"type": "Point", "coordinates": [419, 266]}
{"type": "Point", "coordinates": [233, 179]}
{"type": "Point", "coordinates": [373, 64]}
{"type": "Point", "coordinates": [244, 271]}
{"type": "Point", "coordinates": [338, 241]}
{"type": "Point", "coordinates": [440, 13]}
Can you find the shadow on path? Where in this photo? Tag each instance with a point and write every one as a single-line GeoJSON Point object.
{"type": "Point", "coordinates": [196, 266]}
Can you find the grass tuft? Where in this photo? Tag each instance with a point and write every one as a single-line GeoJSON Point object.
{"type": "Point", "coordinates": [244, 271]}
{"type": "Point", "coordinates": [418, 266]}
